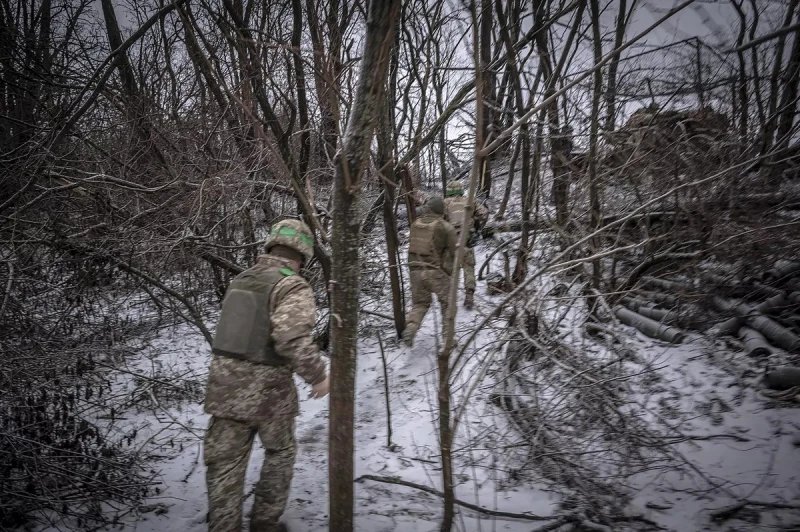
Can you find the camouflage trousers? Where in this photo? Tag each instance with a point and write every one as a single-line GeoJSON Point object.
{"type": "Point", "coordinates": [226, 454]}
{"type": "Point", "coordinates": [424, 283]}
{"type": "Point", "coordinates": [469, 270]}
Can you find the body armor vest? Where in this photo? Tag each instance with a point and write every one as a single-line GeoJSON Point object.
{"type": "Point", "coordinates": [455, 211]}
{"type": "Point", "coordinates": [244, 330]}
{"type": "Point", "coordinates": [421, 243]}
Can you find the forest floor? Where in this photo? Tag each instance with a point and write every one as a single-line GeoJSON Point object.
{"type": "Point", "coordinates": [744, 445]}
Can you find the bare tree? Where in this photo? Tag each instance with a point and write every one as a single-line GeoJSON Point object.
{"type": "Point", "coordinates": [350, 162]}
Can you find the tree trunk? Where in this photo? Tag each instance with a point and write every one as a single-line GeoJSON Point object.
{"type": "Point", "coordinates": [613, 65]}
{"type": "Point", "coordinates": [388, 182]}
{"type": "Point", "coordinates": [521, 266]}
{"type": "Point", "coordinates": [777, 67]}
{"type": "Point", "coordinates": [788, 108]}
{"type": "Point", "coordinates": [558, 165]}
{"type": "Point", "coordinates": [350, 163]}
{"type": "Point", "coordinates": [488, 83]}
{"type": "Point", "coordinates": [594, 194]}
{"type": "Point", "coordinates": [741, 83]}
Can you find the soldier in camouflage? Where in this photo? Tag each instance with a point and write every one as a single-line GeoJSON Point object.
{"type": "Point", "coordinates": [455, 204]}
{"type": "Point", "coordinates": [263, 336]}
{"type": "Point", "coordinates": [430, 263]}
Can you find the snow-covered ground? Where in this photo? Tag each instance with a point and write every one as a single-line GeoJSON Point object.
{"type": "Point", "coordinates": [744, 446]}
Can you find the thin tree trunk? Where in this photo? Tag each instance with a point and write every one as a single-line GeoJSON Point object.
{"type": "Point", "coordinates": [613, 65]}
{"type": "Point", "coordinates": [300, 83]}
{"type": "Point", "coordinates": [501, 211]}
{"type": "Point", "coordinates": [560, 178]}
{"type": "Point", "coordinates": [487, 78]}
{"type": "Point", "coordinates": [594, 195]}
{"type": "Point", "coordinates": [699, 83]}
{"type": "Point", "coordinates": [788, 108]}
{"type": "Point", "coordinates": [741, 83]}
{"type": "Point", "coordinates": [521, 266]}
{"type": "Point", "coordinates": [754, 59]}
{"type": "Point", "coordinates": [774, 85]}
{"type": "Point", "coordinates": [384, 136]}
{"type": "Point", "coordinates": [350, 164]}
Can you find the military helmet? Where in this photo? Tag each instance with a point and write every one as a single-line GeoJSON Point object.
{"type": "Point", "coordinates": [293, 234]}
{"type": "Point", "coordinates": [436, 205]}
{"type": "Point", "coordinates": [455, 188]}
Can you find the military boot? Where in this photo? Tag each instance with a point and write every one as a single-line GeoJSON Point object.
{"type": "Point", "coordinates": [256, 526]}
{"type": "Point", "coordinates": [469, 300]}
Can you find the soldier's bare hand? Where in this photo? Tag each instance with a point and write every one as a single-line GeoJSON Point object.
{"type": "Point", "coordinates": [319, 390]}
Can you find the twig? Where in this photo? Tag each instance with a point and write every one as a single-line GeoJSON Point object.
{"type": "Point", "coordinates": [729, 511]}
{"type": "Point", "coordinates": [378, 314]}
{"type": "Point", "coordinates": [194, 465]}
{"type": "Point", "coordinates": [389, 443]}
{"type": "Point", "coordinates": [470, 506]}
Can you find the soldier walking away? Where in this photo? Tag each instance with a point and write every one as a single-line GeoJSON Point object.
{"type": "Point", "coordinates": [455, 205]}
{"type": "Point", "coordinates": [430, 264]}
{"type": "Point", "coordinates": [264, 334]}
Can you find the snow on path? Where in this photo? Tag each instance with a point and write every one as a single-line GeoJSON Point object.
{"type": "Point", "coordinates": [379, 506]}
{"type": "Point", "coordinates": [695, 391]}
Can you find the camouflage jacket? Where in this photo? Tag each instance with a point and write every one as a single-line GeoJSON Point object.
{"type": "Point", "coordinates": [479, 216]}
{"type": "Point", "coordinates": [444, 240]}
{"type": "Point", "coordinates": [245, 391]}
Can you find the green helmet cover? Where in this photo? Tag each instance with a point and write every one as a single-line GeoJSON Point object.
{"type": "Point", "coordinates": [293, 234]}
{"type": "Point", "coordinates": [455, 188]}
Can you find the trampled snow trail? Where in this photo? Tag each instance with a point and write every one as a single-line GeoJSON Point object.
{"type": "Point", "coordinates": [695, 378]}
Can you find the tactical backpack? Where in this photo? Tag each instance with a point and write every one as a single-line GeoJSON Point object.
{"type": "Point", "coordinates": [421, 244]}
{"type": "Point", "coordinates": [244, 330]}
{"type": "Point", "coordinates": [455, 211]}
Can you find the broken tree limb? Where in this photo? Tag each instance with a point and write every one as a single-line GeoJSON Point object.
{"type": "Point", "coordinates": [513, 226]}
{"type": "Point", "coordinates": [654, 261]}
{"type": "Point", "coordinates": [755, 344]}
{"type": "Point", "coordinates": [491, 254]}
{"type": "Point", "coordinates": [648, 326]}
{"type": "Point", "coordinates": [470, 506]}
{"type": "Point", "coordinates": [730, 511]}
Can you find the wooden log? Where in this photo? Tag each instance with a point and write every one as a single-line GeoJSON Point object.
{"type": "Point", "coordinates": [755, 344]}
{"type": "Point", "coordinates": [648, 326]}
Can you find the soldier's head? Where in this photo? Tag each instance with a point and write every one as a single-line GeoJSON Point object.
{"type": "Point", "coordinates": [293, 240]}
{"type": "Point", "coordinates": [435, 205]}
{"type": "Point", "coordinates": [455, 188]}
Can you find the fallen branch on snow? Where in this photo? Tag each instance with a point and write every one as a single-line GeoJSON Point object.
{"type": "Point", "coordinates": [470, 506]}
{"type": "Point", "coordinates": [730, 511]}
